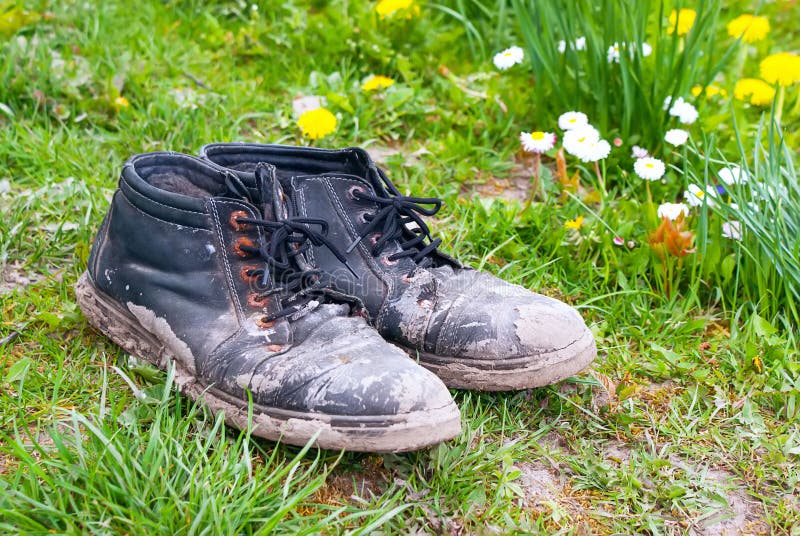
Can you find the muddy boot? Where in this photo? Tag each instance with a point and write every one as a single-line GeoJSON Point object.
{"type": "Point", "coordinates": [182, 271]}
{"type": "Point", "coordinates": [472, 329]}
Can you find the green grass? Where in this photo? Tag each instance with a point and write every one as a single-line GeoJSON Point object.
{"type": "Point", "coordinates": [691, 411]}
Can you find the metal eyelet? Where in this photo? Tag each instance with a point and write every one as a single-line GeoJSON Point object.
{"type": "Point", "coordinates": [264, 324]}
{"type": "Point", "coordinates": [374, 237]}
{"type": "Point", "coordinates": [235, 224]}
{"type": "Point", "coordinates": [274, 347]}
{"type": "Point", "coordinates": [242, 241]}
{"type": "Point", "coordinates": [389, 262]}
{"type": "Point", "coordinates": [247, 277]}
{"type": "Point", "coordinates": [362, 216]}
{"type": "Point", "coordinates": [256, 300]}
{"type": "Point", "coordinates": [351, 192]}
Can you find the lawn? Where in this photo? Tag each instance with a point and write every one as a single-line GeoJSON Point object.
{"type": "Point", "coordinates": [688, 423]}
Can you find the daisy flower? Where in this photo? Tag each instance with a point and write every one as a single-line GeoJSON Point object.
{"type": "Point", "coordinates": [750, 28]}
{"type": "Point", "coordinates": [647, 49]}
{"type": "Point", "coordinates": [580, 43]}
{"type": "Point", "coordinates": [508, 58]}
{"type": "Point", "coordinates": [638, 152]}
{"type": "Point", "coordinates": [538, 141]}
{"type": "Point", "coordinates": [377, 81]}
{"type": "Point", "coordinates": [695, 196]}
{"type": "Point", "coordinates": [594, 151]}
{"type": "Point", "coordinates": [684, 111]}
{"type": "Point", "coordinates": [576, 141]}
{"type": "Point", "coordinates": [676, 137]}
{"type": "Point", "coordinates": [317, 123]}
{"type": "Point", "coordinates": [672, 211]}
{"type": "Point", "coordinates": [732, 175]}
{"type": "Point", "coordinates": [649, 168]}
{"type": "Point", "coordinates": [572, 120]}
{"type": "Point", "coordinates": [732, 230]}
{"type": "Point", "coordinates": [613, 53]}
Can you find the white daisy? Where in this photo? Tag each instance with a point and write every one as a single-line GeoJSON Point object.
{"type": "Point", "coordinates": [649, 168]}
{"type": "Point", "coordinates": [732, 175]}
{"type": "Point", "coordinates": [732, 230]}
{"type": "Point", "coordinates": [577, 141]}
{"type": "Point", "coordinates": [613, 53]}
{"type": "Point", "coordinates": [572, 120]}
{"type": "Point", "coordinates": [562, 46]}
{"type": "Point", "coordinates": [676, 137]}
{"type": "Point", "coordinates": [580, 43]}
{"type": "Point", "coordinates": [639, 152]}
{"type": "Point", "coordinates": [671, 211]}
{"type": "Point", "coordinates": [537, 142]}
{"type": "Point", "coordinates": [696, 197]}
{"type": "Point", "coordinates": [646, 49]}
{"type": "Point", "coordinates": [684, 111]}
{"type": "Point", "coordinates": [508, 58]}
{"type": "Point", "coordinates": [671, 101]}
{"type": "Point", "coordinates": [592, 152]}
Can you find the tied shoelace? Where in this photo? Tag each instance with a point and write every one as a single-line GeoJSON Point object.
{"type": "Point", "coordinates": [289, 238]}
{"type": "Point", "coordinates": [391, 221]}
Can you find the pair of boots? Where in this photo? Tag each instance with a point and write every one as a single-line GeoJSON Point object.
{"type": "Point", "coordinates": [300, 281]}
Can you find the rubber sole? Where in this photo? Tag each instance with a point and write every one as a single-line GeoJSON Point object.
{"type": "Point", "coordinates": [511, 374]}
{"type": "Point", "coordinates": [379, 433]}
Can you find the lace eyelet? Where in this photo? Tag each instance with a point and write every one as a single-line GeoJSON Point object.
{"type": "Point", "coordinates": [264, 324]}
{"type": "Point", "coordinates": [247, 277]}
{"type": "Point", "coordinates": [362, 217]}
{"type": "Point", "coordinates": [255, 300]}
{"type": "Point", "coordinates": [237, 247]}
{"type": "Point", "coordinates": [235, 224]}
{"type": "Point", "coordinates": [388, 262]}
{"type": "Point", "coordinates": [351, 192]}
{"type": "Point", "coordinates": [274, 347]}
{"type": "Point", "coordinates": [374, 237]}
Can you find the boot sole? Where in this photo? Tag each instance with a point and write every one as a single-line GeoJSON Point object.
{"type": "Point", "coordinates": [378, 433]}
{"type": "Point", "coordinates": [511, 374]}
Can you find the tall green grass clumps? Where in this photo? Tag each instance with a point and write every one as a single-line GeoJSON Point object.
{"type": "Point", "coordinates": [619, 59]}
{"type": "Point", "coordinates": [162, 467]}
{"type": "Point", "coordinates": [763, 216]}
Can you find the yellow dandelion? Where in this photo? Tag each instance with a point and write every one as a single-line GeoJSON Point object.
{"type": "Point", "coordinates": [711, 91]}
{"type": "Point", "coordinates": [749, 27]}
{"type": "Point", "coordinates": [782, 68]}
{"type": "Point", "coordinates": [756, 91]}
{"type": "Point", "coordinates": [377, 81]}
{"type": "Point", "coordinates": [401, 8]}
{"type": "Point", "coordinates": [317, 123]}
{"type": "Point", "coordinates": [682, 21]}
{"type": "Point", "coordinates": [120, 103]}
{"type": "Point", "coordinates": [574, 224]}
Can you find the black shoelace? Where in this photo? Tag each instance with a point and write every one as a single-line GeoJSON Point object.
{"type": "Point", "coordinates": [290, 238]}
{"type": "Point", "coordinates": [395, 212]}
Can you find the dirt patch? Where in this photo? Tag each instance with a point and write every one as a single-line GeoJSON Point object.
{"type": "Point", "coordinates": [382, 153]}
{"type": "Point", "coordinates": [14, 277]}
{"type": "Point", "coordinates": [516, 187]}
{"type": "Point", "coordinates": [743, 516]}
{"type": "Point", "coordinates": [345, 486]}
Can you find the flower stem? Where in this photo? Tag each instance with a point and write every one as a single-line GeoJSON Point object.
{"type": "Point", "coordinates": [601, 181]}
{"type": "Point", "coordinates": [779, 104]}
{"type": "Point", "coordinates": [535, 185]}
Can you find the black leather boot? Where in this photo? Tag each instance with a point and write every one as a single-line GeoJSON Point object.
{"type": "Point", "coordinates": [474, 330]}
{"type": "Point", "coordinates": [183, 271]}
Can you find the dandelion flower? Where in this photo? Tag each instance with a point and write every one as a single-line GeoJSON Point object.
{"type": "Point", "coordinates": [508, 58]}
{"type": "Point", "coordinates": [782, 68]}
{"type": "Point", "coordinates": [649, 168]}
{"type": "Point", "coordinates": [377, 81]}
{"type": "Point", "coordinates": [684, 111]}
{"type": "Point", "coordinates": [574, 224]}
{"type": "Point", "coordinates": [672, 211]}
{"type": "Point", "coordinates": [681, 22]}
{"type": "Point", "coordinates": [676, 137]}
{"type": "Point", "coordinates": [749, 27]}
{"type": "Point", "coordinates": [576, 141]}
{"type": "Point", "coordinates": [711, 91]}
{"type": "Point", "coordinates": [537, 142]}
{"type": "Point", "coordinates": [572, 120]}
{"type": "Point", "coordinates": [695, 196]}
{"type": "Point", "coordinates": [732, 230]}
{"type": "Point", "coordinates": [732, 175]}
{"type": "Point", "coordinates": [317, 123]}
{"type": "Point", "coordinates": [120, 103]}
{"type": "Point", "coordinates": [639, 152]}
{"type": "Point", "coordinates": [402, 8]}
{"type": "Point", "coordinates": [756, 91]}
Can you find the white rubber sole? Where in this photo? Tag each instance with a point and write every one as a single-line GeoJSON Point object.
{"type": "Point", "coordinates": [379, 433]}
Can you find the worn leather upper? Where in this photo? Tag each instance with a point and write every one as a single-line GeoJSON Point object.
{"type": "Point", "coordinates": [167, 251]}
{"type": "Point", "coordinates": [442, 309]}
